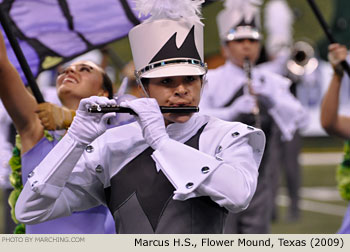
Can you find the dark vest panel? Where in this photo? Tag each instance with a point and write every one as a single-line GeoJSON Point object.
{"type": "Point", "coordinates": [140, 200]}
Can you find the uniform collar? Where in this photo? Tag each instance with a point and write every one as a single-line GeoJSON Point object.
{"type": "Point", "coordinates": [183, 131]}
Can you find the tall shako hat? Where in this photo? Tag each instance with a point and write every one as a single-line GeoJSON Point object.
{"type": "Point", "coordinates": [170, 42]}
{"type": "Point", "coordinates": [240, 19]}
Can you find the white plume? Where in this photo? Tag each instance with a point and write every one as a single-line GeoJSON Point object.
{"type": "Point", "coordinates": [190, 10]}
{"type": "Point", "coordinates": [241, 4]}
{"type": "Point", "coordinates": [249, 9]}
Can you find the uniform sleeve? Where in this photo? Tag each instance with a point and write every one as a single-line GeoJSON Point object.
{"type": "Point", "coordinates": [229, 177]}
{"type": "Point", "coordinates": [53, 191]}
{"type": "Point", "coordinates": [288, 112]}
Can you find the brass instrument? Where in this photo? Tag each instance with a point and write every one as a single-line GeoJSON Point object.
{"type": "Point", "coordinates": [247, 66]}
{"type": "Point", "coordinates": [302, 61]}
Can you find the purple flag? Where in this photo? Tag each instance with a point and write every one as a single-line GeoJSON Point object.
{"type": "Point", "coordinates": [51, 32]}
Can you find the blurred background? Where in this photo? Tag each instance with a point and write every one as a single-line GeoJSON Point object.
{"type": "Point", "coordinates": [321, 207]}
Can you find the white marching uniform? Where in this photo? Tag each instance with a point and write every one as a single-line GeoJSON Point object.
{"type": "Point", "coordinates": [224, 167]}
{"type": "Point", "coordinates": [225, 81]}
{"type": "Point", "coordinates": [220, 99]}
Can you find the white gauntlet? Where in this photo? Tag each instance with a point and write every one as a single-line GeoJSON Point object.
{"type": "Point", "coordinates": [87, 126]}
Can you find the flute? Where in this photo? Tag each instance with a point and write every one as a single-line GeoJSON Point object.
{"type": "Point", "coordinates": [163, 109]}
{"type": "Point", "coordinates": [247, 66]}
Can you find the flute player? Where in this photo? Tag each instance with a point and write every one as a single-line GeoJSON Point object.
{"type": "Point", "coordinates": [170, 173]}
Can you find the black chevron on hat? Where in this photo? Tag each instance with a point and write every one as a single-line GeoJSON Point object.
{"type": "Point", "coordinates": [244, 23]}
{"type": "Point", "coordinates": [170, 50]}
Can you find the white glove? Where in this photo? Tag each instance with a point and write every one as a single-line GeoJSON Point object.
{"type": "Point", "coordinates": [242, 105]}
{"type": "Point", "coordinates": [265, 96]}
{"type": "Point", "coordinates": [150, 119]}
{"type": "Point", "coordinates": [87, 126]}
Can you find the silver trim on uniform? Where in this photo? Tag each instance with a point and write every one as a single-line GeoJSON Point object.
{"type": "Point", "coordinates": [89, 149]}
{"type": "Point", "coordinates": [205, 169]}
{"type": "Point", "coordinates": [189, 185]}
{"type": "Point", "coordinates": [99, 169]}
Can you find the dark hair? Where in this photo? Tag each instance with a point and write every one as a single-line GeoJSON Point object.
{"type": "Point", "coordinates": [145, 81]}
{"type": "Point", "coordinates": [107, 85]}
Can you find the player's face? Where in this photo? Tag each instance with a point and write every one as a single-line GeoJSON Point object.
{"type": "Point", "coordinates": [176, 91]}
{"type": "Point", "coordinates": [238, 50]}
{"type": "Point", "coordinates": [80, 80]}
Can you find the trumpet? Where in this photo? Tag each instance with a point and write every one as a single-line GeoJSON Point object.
{"type": "Point", "coordinates": [247, 66]}
{"type": "Point", "coordinates": [302, 61]}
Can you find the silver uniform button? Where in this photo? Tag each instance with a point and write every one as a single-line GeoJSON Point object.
{"type": "Point", "coordinates": [235, 134]}
{"type": "Point", "coordinates": [99, 169]}
{"type": "Point", "coordinates": [205, 169]}
{"type": "Point", "coordinates": [31, 174]}
{"type": "Point", "coordinates": [218, 149]}
{"type": "Point", "coordinates": [89, 148]}
{"type": "Point", "coordinates": [218, 158]}
{"type": "Point", "coordinates": [250, 128]}
{"type": "Point", "coordinates": [189, 185]}
{"type": "Point", "coordinates": [34, 189]}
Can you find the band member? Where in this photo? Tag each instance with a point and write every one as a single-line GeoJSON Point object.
{"type": "Point", "coordinates": [240, 91]}
{"type": "Point", "coordinates": [170, 173]}
{"type": "Point", "coordinates": [79, 80]}
{"type": "Point", "coordinates": [278, 24]}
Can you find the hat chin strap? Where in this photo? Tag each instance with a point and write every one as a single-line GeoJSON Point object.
{"type": "Point", "coordinates": [204, 83]}
{"type": "Point", "coordinates": [139, 82]}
